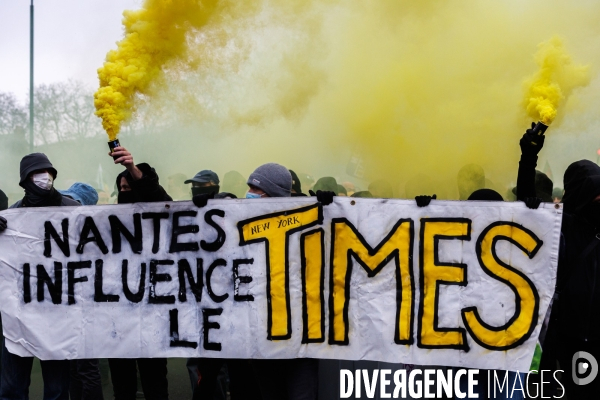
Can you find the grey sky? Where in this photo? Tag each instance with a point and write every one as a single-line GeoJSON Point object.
{"type": "Point", "coordinates": [71, 40]}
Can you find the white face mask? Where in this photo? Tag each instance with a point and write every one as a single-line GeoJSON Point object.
{"type": "Point", "coordinates": [43, 180]}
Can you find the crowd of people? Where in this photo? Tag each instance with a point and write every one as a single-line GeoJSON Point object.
{"type": "Point", "coordinates": [574, 324]}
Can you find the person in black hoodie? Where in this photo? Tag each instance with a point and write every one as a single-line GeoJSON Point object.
{"type": "Point", "coordinates": [37, 179]}
{"type": "Point", "coordinates": [3, 201]}
{"type": "Point", "coordinates": [138, 183]}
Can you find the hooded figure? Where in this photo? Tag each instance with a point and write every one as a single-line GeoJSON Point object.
{"type": "Point", "coordinates": [578, 282]}
{"type": "Point", "coordinates": [234, 182]}
{"type": "Point", "coordinates": [326, 184]}
{"type": "Point", "coordinates": [485, 195]}
{"type": "Point", "coordinates": [3, 201]}
{"type": "Point", "coordinates": [146, 189]}
{"type": "Point", "coordinates": [37, 178]}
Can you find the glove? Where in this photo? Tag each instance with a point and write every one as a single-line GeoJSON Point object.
{"type": "Point", "coordinates": [323, 196]}
{"type": "Point", "coordinates": [3, 224]}
{"type": "Point", "coordinates": [532, 202]}
{"type": "Point", "coordinates": [530, 143]}
{"type": "Point", "coordinates": [423, 201]}
{"type": "Point", "coordinates": [201, 200]}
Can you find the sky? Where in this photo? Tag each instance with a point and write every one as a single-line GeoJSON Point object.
{"type": "Point", "coordinates": [71, 39]}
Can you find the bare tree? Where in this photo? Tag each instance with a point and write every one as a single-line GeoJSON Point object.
{"type": "Point", "coordinates": [13, 116]}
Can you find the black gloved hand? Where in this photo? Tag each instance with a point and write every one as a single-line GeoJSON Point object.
{"type": "Point", "coordinates": [423, 201]}
{"type": "Point", "coordinates": [201, 200]}
{"type": "Point", "coordinates": [323, 196]}
{"type": "Point", "coordinates": [532, 202]}
{"type": "Point", "coordinates": [3, 224]}
{"type": "Point", "coordinates": [530, 143]}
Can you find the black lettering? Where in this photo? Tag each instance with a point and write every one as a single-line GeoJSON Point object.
{"type": "Point", "coordinates": [207, 325]}
{"type": "Point", "coordinates": [195, 285]}
{"type": "Point", "coordinates": [26, 283]}
{"type": "Point", "coordinates": [54, 288]}
{"type": "Point", "coordinates": [72, 280]}
{"type": "Point", "coordinates": [155, 217]}
{"type": "Point", "coordinates": [89, 226]}
{"type": "Point", "coordinates": [133, 297]}
{"type": "Point", "coordinates": [220, 240]}
{"type": "Point", "coordinates": [155, 278]}
{"type": "Point", "coordinates": [177, 230]}
{"type": "Point", "coordinates": [63, 244]}
{"type": "Point", "coordinates": [219, 262]}
{"type": "Point", "coordinates": [117, 229]}
{"type": "Point", "coordinates": [99, 296]}
{"type": "Point", "coordinates": [237, 280]}
{"type": "Point", "coordinates": [174, 328]}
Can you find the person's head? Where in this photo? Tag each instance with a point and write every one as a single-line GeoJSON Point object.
{"type": "Point", "coordinates": [350, 188]}
{"type": "Point", "coordinates": [470, 178]}
{"type": "Point", "coordinates": [270, 180]}
{"type": "Point", "coordinates": [362, 194]}
{"type": "Point", "coordinates": [82, 193]}
{"type": "Point", "coordinates": [381, 189]}
{"type": "Point", "coordinates": [543, 186]}
{"type": "Point", "coordinates": [341, 191]}
{"type": "Point", "coordinates": [582, 191]}
{"type": "Point", "coordinates": [3, 201]}
{"type": "Point", "coordinates": [557, 195]}
{"type": "Point", "coordinates": [326, 184]}
{"type": "Point", "coordinates": [485, 195]}
{"type": "Point", "coordinates": [36, 169]}
{"type": "Point", "coordinates": [205, 181]}
{"type": "Point", "coordinates": [234, 182]}
{"type": "Point", "coordinates": [296, 185]}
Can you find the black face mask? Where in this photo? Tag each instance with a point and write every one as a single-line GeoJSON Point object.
{"type": "Point", "coordinates": [35, 196]}
{"type": "Point", "coordinates": [127, 197]}
{"type": "Point", "coordinates": [204, 189]}
{"type": "Point", "coordinates": [591, 213]}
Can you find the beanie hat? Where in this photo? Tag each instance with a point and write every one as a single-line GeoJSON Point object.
{"type": "Point", "coordinates": [273, 179]}
{"type": "Point", "coordinates": [33, 162]}
{"type": "Point", "coordinates": [83, 193]}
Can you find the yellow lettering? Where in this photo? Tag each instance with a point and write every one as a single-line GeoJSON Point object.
{"type": "Point", "coordinates": [313, 271]}
{"type": "Point", "coordinates": [435, 272]}
{"type": "Point", "coordinates": [521, 325]}
{"type": "Point", "coordinates": [257, 230]}
{"type": "Point", "coordinates": [347, 243]}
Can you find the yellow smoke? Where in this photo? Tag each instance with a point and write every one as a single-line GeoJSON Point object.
{"type": "Point", "coordinates": [154, 35]}
{"type": "Point", "coordinates": [414, 89]}
{"type": "Point", "coordinates": [553, 83]}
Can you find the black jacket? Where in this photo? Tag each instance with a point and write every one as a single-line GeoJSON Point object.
{"type": "Point", "coordinates": [65, 202]}
{"type": "Point", "coordinates": [146, 189]}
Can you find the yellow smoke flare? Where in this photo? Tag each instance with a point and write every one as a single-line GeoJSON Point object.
{"type": "Point", "coordinates": [552, 85]}
{"type": "Point", "coordinates": [154, 35]}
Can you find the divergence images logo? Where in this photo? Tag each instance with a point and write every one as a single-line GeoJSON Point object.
{"type": "Point", "coordinates": [584, 367]}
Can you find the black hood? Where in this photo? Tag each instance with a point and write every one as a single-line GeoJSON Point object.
{"type": "Point", "coordinates": [33, 162]}
{"type": "Point", "coordinates": [486, 195]}
{"type": "Point", "coordinates": [3, 201]}
{"type": "Point", "coordinates": [582, 185]}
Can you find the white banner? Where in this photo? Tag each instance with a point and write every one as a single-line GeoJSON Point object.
{"type": "Point", "coordinates": [455, 283]}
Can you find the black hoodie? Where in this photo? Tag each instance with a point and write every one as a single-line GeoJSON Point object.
{"type": "Point", "coordinates": [146, 189]}
{"type": "Point", "coordinates": [579, 263]}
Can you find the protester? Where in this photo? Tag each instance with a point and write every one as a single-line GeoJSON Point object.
{"type": "Point", "coordinates": [204, 182]}
{"type": "Point", "coordinates": [296, 185]}
{"type": "Point", "coordinates": [350, 188]}
{"type": "Point", "coordinates": [177, 188]}
{"type": "Point", "coordinates": [381, 189]}
{"type": "Point", "coordinates": [138, 183]}
{"type": "Point", "coordinates": [362, 194]}
{"type": "Point", "coordinates": [326, 184]}
{"type": "Point", "coordinates": [341, 191]}
{"type": "Point", "coordinates": [234, 182]}
{"type": "Point", "coordinates": [82, 193]}
{"type": "Point", "coordinates": [37, 179]}
{"type": "Point", "coordinates": [470, 178]}
{"type": "Point", "coordinates": [3, 201]}
{"type": "Point", "coordinates": [293, 379]}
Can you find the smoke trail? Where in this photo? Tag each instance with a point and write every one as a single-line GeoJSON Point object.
{"type": "Point", "coordinates": [553, 83]}
{"type": "Point", "coordinates": [154, 35]}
